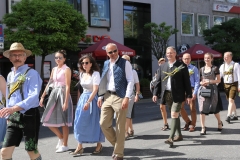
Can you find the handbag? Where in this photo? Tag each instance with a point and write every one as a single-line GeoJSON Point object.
{"type": "Point", "coordinates": [206, 92]}
{"type": "Point", "coordinates": [45, 100]}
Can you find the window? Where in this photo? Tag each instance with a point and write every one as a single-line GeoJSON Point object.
{"type": "Point", "coordinates": [232, 1]}
{"type": "Point", "coordinates": [218, 20]}
{"type": "Point", "coordinates": [187, 24]}
{"type": "Point", "coordinates": [203, 23]}
{"type": "Point", "coordinates": [76, 5]}
{"type": "Point", "coordinates": [11, 3]}
{"type": "Point", "coordinates": [99, 15]}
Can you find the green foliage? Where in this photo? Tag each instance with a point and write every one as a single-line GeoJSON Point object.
{"type": "Point", "coordinates": [44, 26]}
{"type": "Point", "coordinates": [159, 37]}
{"type": "Point", "coordinates": [144, 82]}
{"type": "Point", "coordinates": [224, 37]}
{"type": "Point", "coordinates": [73, 86]}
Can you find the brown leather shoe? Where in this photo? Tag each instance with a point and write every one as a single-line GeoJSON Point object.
{"type": "Point", "coordinates": [169, 141]}
{"type": "Point", "coordinates": [186, 127]}
{"type": "Point", "coordinates": [178, 138]}
{"type": "Point", "coordinates": [118, 158]}
{"type": "Point", "coordinates": [191, 128]}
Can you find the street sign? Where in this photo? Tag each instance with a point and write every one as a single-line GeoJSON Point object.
{"type": "Point", "coordinates": [1, 45]}
{"type": "Point", "coordinates": [1, 33]}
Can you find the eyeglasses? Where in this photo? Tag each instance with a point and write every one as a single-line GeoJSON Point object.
{"type": "Point", "coordinates": [84, 63]}
{"type": "Point", "coordinates": [17, 55]}
{"type": "Point", "coordinates": [114, 51]}
{"type": "Point", "coordinates": [60, 58]}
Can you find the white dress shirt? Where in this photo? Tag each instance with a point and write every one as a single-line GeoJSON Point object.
{"type": "Point", "coordinates": [228, 78]}
{"type": "Point", "coordinates": [168, 87]}
{"type": "Point", "coordinates": [129, 78]}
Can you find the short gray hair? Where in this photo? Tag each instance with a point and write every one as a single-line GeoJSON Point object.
{"type": "Point", "coordinates": [230, 53]}
{"type": "Point", "coordinates": [111, 44]}
{"type": "Point", "coordinates": [171, 47]}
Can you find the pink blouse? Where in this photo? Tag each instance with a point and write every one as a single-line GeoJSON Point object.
{"type": "Point", "coordinates": [59, 76]}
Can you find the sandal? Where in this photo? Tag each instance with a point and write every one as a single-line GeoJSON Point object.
{"type": "Point", "coordinates": [165, 127]}
{"type": "Point", "coordinates": [127, 136]}
{"type": "Point", "coordinates": [131, 134]}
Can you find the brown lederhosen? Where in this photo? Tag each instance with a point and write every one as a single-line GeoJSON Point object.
{"type": "Point", "coordinates": [231, 89]}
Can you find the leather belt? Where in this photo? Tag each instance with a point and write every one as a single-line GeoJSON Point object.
{"type": "Point", "coordinates": [168, 91]}
{"type": "Point", "coordinates": [111, 92]}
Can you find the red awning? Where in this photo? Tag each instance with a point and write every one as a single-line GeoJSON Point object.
{"type": "Point", "coordinates": [98, 51]}
{"type": "Point", "coordinates": [197, 52]}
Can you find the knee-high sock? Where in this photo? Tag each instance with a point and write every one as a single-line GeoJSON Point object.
{"type": "Point", "coordinates": [173, 128]}
{"type": "Point", "coordinates": [178, 129]}
{"type": "Point", "coordinates": [39, 158]}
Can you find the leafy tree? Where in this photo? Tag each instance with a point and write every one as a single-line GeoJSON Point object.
{"type": "Point", "coordinates": [224, 37]}
{"type": "Point", "coordinates": [44, 26]}
{"type": "Point", "coordinates": [159, 37]}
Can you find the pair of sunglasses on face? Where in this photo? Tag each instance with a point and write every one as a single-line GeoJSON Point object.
{"type": "Point", "coordinates": [82, 63]}
{"type": "Point", "coordinates": [111, 52]}
{"type": "Point", "coordinates": [60, 58]}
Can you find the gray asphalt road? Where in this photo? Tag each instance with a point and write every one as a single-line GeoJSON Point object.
{"type": "Point", "coordinates": [148, 142]}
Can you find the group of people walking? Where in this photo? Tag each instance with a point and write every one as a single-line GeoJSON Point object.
{"type": "Point", "coordinates": [179, 82]}
{"type": "Point", "coordinates": [103, 98]}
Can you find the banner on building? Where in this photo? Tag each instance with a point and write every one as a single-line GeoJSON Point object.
{"type": "Point", "coordinates": [226, 8]}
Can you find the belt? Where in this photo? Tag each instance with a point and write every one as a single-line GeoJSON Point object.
{"type": "Point", "coordinates": [231, 83]}
{"type": "Point", "coordinates": [168, 91]}
{"type": "Point", "coordinates": [111, 92]}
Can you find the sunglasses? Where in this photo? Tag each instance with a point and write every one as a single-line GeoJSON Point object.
{"type": "Point", "coordinates": [84, 63]}
{"type": "Point", "coordinates": [59, 58]}
{"type": "Point", "coordinates": [114, 51]}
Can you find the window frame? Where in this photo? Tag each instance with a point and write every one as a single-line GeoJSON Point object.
{"type": "Point", "coordinates": [198, 21]}
{"type": "Point", "coordinates": [218, 16]}
{"type": "Point", "coordinates": [232, 2]}
{"type": "Point", "coordinates": [183, 34]}
{"type": "Point", "coordinates": [90, 17]}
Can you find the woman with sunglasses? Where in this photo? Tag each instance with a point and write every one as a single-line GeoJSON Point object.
{"type": "Point", "coordinates": [3, 123]}
{"type": "Point", "coordinates": [59, 108]}
{"type": "Point", "coordinates": [86, 124]}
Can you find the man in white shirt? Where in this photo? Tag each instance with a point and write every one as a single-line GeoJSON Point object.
{"type": "Point", "coordinates": [117, 86]}
{"type": "Point", "coordinates": [230, 72]}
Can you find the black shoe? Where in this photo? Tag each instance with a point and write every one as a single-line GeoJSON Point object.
{"type": "Point", "coordinates": [234, 118]}
{"type": "Point", "coordinates": [204, 131]}
{"type": "Point", "coordinates": [228, 119]}
{"type": "Point", "coordinates": [220, 124]}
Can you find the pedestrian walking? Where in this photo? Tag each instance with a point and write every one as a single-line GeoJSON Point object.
{"type": "Point", "coordinates": [230, 72]}
{"type": "Point", "coordinates": [209, 100]}
{"type": "Point", "coordinates": [3, 122]}
{"type": "Point", "coordinates": [173, 85]}
{"type": "Point", "coordinates": [86, 124]}
{"type": "Point", "coordinates": [194, 80]}
{"type": "Point", "coordinates": [23, 88]}
{"type": "Point", "coordinates": [116, 85]}
{"type": "Point", "coordinates": [59, 108]}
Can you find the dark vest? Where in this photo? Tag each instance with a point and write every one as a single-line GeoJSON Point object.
{"type": "Point", "coordinates": [119, 76]}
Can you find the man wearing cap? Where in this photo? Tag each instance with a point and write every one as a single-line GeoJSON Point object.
{"type": "Point", "coordinates": [22, 99]}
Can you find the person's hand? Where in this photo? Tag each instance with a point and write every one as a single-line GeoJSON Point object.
{"type": "Point", "coordinates": [41, 102]}
{"type": "Point", "coordinates": [194, 96]}
{"type": "Point", "coordinates": [154, 99]}
{"type": "Point", "coordinates": [6, 112]}
{"type": "Point", "coordinates": [188, 100]}
{"type": "Point", "coordinates": [99, 102]}
{"type": "Point", "coordinates": [86, 106]}
{"type": "Point", "coordinates": [136, 98]}
{"type": "Point", "coordinates": [125, 103]}
{"type": "Point", "coordinates": [65, 106]}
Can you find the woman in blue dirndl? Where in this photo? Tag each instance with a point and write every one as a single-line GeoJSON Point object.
{"type": "Point", "coordinates": [86, 124]}
{"type": "Point", "coordinates": [3, 123]}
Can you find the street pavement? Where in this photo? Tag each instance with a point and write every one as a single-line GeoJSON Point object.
{"type": "Point", "coordinates": [148, 142]}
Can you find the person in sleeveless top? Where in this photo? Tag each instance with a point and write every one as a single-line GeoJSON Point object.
{"type": "Point", "coordinates": [134, 98]}
{"type": "Point", "coordinates": [3, 123]}
{"type": "Point", "coordinates": [86, 124]}
{"type": "Point", "coordinates": [210, 77]}
{"type": "Point", "coordinates": [59, 108]}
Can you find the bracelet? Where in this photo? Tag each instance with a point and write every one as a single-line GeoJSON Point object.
{"type": "Point", "coordinates": [88, 102]}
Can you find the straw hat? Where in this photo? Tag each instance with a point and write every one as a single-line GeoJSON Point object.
{"type": "Point", "coordinates": [16, 47]}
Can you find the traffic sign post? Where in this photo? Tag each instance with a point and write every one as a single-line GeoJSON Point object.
{"type": "Point", "coordinates": [1, 37]}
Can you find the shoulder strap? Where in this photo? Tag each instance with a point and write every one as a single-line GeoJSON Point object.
{"type": "Point", "coordinates": [21, 89]}
{"type": "Point", "coordinates": [232, 73]}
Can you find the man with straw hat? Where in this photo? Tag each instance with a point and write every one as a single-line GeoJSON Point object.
{"type": "Point", "coordinates": [23, 88]}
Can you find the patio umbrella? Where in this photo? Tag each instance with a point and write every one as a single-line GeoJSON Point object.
{"type": "Point", "coordinates": [98, 51]}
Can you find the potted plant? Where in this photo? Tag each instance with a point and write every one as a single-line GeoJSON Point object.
{"type": "Point", "coordinates": [144, 87]}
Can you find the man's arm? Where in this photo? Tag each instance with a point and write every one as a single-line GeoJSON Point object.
{"type": "Point", "coordinates": [186, 82]}
{"type": "Point", "coordinates": [196, 80]}
{"type": "Point", "coordinates": [129, 78]}
{"type": "Point", "coordinates": [158, 82]}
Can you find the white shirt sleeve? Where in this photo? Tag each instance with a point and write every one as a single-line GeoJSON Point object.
{"type": "Point", "coordinates": [135, 77]}
{"type": "Point", "coordinates": [221, 71]}
{"type": "Point", "coordinates": [129, 77]}
{"type": "Point", "coordinates": [96, 78]}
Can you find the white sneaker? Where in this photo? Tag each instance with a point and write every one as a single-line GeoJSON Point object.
{"type": "Point", "coordinates": [62, 149]}
{"type": "Point", "coordinates": [60, 142]}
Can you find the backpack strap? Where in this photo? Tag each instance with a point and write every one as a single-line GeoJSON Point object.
{"type": "Point", "coordinates": [232, 73]}
{"type": "Point", "coordinates": [21, 89]}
